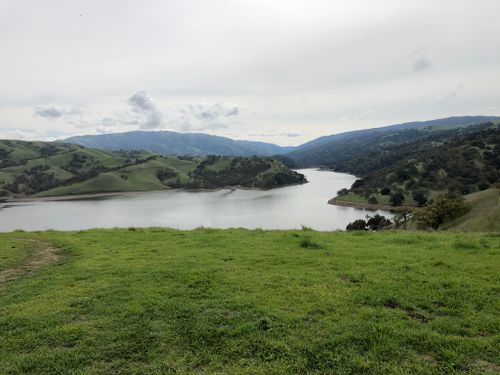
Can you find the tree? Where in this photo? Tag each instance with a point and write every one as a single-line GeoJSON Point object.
{"type": "Point", "coordinates": [385, 191]}
{"type": "Point", "coordinates": [443, 208]}
{"type": "Point", "coordinates": [402, 217]}
{"type": "Point", "coordinates": [372, 200]}
{"type": "Point", "coordinates": [420, 197]}
{"type": "Point", "coordinates": [397, 199]}
{"type": "Point", "coordinates": [343, 192]}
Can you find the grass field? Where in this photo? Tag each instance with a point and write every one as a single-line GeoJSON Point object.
{"type": "Point", "coordinates": [252, 302]}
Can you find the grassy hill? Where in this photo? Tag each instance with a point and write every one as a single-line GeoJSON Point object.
{"type": "Point", "coordinates": [483, 216]}
{"type": "Point", "coordinates": [463, 160]}
{"type": "Point", "coordinates": [206, 301]}
{"type": "Point", "coordinates": [47, 169]}
{"type": "Point", "coordinates": [340, 151]}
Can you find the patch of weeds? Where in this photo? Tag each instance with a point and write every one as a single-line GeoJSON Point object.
{"type": "Point", "coordinates": [417, 316]}
{"type": "Point", "coordinates": [391, 303]}
{"type": "Point", "coordinates": [307, 243]}
{"type": "Point", "coordinates": [465, 245]}
{"type": "Point", "coordinates": [402, 241]}
{"type": "Point", "coordinates": [264, 324]}
{"type": "Point", "coordinates": [82, 303]}
{"type": "Point", "coordinates": [440, 263]}
{"type": "Point", "coordinates": [484, 243]}
{"type": "Point", "coordinates": [351, 278]}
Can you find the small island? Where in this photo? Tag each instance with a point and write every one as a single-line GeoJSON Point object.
{"type": "Point", "coordinates": [48, 169]}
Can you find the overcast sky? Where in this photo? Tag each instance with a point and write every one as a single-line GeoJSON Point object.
{"type": "Point", "coordinates": [283, 71]}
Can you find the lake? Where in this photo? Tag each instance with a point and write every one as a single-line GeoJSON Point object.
{"type": "Point", "coordinates": [284, 208]}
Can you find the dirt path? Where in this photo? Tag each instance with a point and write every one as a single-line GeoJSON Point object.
{"type": "Point", "coordinates": [43, 254]}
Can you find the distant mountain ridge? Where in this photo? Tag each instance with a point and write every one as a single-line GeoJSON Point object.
{"type": "Point", "coordinates": [313, 153]}
{"type": "Point", "coordinates": [172, 143]}
{"type": "Point", "coordinates": [345, 136]}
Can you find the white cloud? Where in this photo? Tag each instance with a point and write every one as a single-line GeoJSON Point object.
{"type": "Point", "coordinates": [142, 113]}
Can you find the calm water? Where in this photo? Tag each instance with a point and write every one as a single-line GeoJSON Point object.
{"type": "Point", "coordinates": [284, 208]}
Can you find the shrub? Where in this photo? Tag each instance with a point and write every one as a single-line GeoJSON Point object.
{"type": "Point", "coordinates": [372, 200]}
{"type": "Point", "coordinates": [359, 224]}
{"type": "Point", "coordinates": [307, 243]}
{"type": "Point", "coordinates": [377, 222]}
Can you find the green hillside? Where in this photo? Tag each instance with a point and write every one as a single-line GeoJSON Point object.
{"type": "Point", "coordinates": [48, 169]}
{"type": "Point", "coordinates": [161, 301]}
{"type": "Point", "coordinates": [341, 151]}
{"type": "Point", "coordinates": [463, 160]}
{"type": "Point", "coordinates": [483, 216]}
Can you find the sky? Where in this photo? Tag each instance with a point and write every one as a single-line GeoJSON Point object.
{"type": "Point", "coordinates": [280, 71]}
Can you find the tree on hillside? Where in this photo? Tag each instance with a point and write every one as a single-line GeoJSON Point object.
{"type": "Point", "coordinates": [342, 192]}
{"type": "Point", "coordinates": [443, 208]}
{"type": "Point", "coordinates": [402, 217]}
{"type": "Point", "coordinates": [420, 197]}
{"type": "Point", "coordinates": [397, 199]}
{"type": "Point", "coordinates": [385, 191]}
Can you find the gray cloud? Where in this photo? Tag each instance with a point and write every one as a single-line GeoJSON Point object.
{"type": "Point", "coordinates": [422, 64]}
{"type": "Point", "coordinates": [212, 112]}
{"type": "Point", "coordinates": [49, 111]}
{"type": "Point", "coordinates": [150, 116]}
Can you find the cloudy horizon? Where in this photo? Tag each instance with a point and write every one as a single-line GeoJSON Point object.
{"type": "Point", "coordinates": [283, 72]}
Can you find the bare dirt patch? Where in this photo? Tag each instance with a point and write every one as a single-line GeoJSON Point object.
{"type": "Point", "coordinates": [43, 254]}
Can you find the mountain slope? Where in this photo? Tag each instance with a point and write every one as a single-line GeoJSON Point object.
{"type": "Point", "coordinates": [172, 143]}
{"type": "Point", "coordinates": [334, 150]}
{"type": "Point", "coordinates": [458, 160]}
{"type": "Point", "coordinates": [49, 169]}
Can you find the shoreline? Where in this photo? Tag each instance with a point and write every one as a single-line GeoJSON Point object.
{"type": "Point", "coordinates": [75, 197]}
{"type": "Point", "coordinates": [366, 206]}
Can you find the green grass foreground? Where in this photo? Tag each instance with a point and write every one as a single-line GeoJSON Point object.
{"type": "Point", "coordinates": [252, 302]}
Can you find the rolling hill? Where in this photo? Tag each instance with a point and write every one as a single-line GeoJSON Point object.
{"type": "Point", "coordinates": [50, 169]}
{"type": "Point", "coordinates": [331, 151]}
{"type": "Point", "coordinates": [483, 214]}
{"type": "Point", "coordinates": [463, 160]}
{"type": "Point", "coordinates": [172, 143]}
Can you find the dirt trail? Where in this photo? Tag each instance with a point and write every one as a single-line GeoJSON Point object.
{"type": "Point", "coordinates": [43, 254]}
